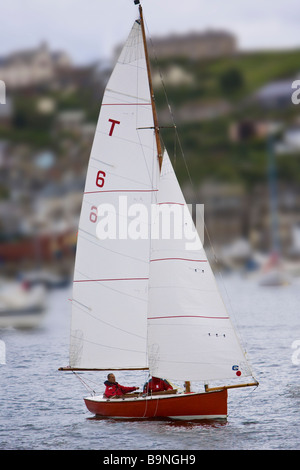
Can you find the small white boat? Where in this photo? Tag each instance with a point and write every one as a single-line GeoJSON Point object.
{"type": "Point", "coordinates": [21, 306]}
{"type": "Point", "coordinates": [47, 279]}
{"type": "Point", "coordinates": [273, 273]}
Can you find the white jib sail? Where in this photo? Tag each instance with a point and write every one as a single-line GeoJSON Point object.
{"type": "Point", "coordinates": [190, 335]}
{"type": "Point", "coordinates": [110, 290]}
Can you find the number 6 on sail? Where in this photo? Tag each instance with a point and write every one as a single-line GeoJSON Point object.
{"type": "Point", "coordinates": [100, 179]}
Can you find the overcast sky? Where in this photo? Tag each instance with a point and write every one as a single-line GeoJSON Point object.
{"type": "Point", "coordinates": [89, 29]}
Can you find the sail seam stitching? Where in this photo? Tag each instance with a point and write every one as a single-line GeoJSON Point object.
{"type": "Point", "coordinates": [179, 259]}
{"type": "Point", "coordinates": [114, 279]}
{"type": "Point", "coordinates": [188, 316]}
{"type": "Point", "coordinates": [123, 191]}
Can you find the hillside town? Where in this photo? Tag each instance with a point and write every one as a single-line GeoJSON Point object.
{"type": "Point", "coordinates": [46, 131]}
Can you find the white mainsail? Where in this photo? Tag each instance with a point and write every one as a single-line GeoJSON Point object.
{"type": "Point", "coordinates": [110, 290]}
{"type": "Point", "coordinates": [190, 335]}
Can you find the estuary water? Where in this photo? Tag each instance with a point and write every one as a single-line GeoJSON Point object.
{"type": "Point", "coordinates": [43, 409]}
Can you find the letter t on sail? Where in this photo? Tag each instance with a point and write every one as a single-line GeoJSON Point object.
{"type": "Point", "coordinates": [113, 123]}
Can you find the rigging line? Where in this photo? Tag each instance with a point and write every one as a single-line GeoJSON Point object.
{"type": "Point", "coordinates": [119, 176]}
{"type": "Point", "coordinates": [121, 191]}
{"type": "Point", "coordinates": [84, 340]}
{"type": "Point", "coordinates": [126, 104]}
{"type": "Point", "coordinates": [129, 64]}
{"type": "Point", "coordinates": [169, 107]}
{"type": "Point", "coordinates": [80, 303]}
{"type": "Point", "coordinates": [106, 323]}
{"type": "Point", "coordinates": [102, 161]}
{"type": "Point", "coordinates": [177, 135]}
{"type": "Point", "coordinates": [84, 383]}
{"type": "Point", "coordinates": [154, 111]}
{"type": "Point", "coordinates": [121, 217]}
{"type": "Point", "coordinates": [157, 401]}
{"type": "Point", "coordinates": [188, 316]}
{"type": "Point", "coordinates": [197, 363]}
{"type": "Point", "coordinates": [175, 203]}
{"type": "Point", "coordinates": [241, 399]}
{"type": "Point", "coordinates": [90, 381]}
{"type": "Point", "coordinates": [136, 97]}
{"type": "Point", "coordinates": [149, 168]}
{"type": "Point", "coordinates": [179, 259]}
{"type": "Point", "coordinates": [98, 245]}
{"type": "Point", "coordinates": [179, 286]}
{"type": "Point", "coordinates": [106, 286]}
{"type": "Point", "coordinates": [125, 140]}
{"type": "Point", "coordinates": [171, 250]}
{"type": "Point", "coordinates": [113, 279]}
{"type": "Point", "coordinates": [152, 149]}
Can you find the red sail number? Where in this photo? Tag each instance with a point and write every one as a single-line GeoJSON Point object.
{"type": "Point", "coordinates": [113, 123]}
{"type": "Point", "coordinates": [100, 179]}
{"type": "Point", "coordinates": [94, 215]}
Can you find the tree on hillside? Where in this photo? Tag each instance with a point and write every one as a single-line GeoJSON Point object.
{"type": "Point", "coordinates": [231, 81]}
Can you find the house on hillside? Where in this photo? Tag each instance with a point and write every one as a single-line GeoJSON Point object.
{"type": "Point", "coordinates": [290, 143]}
{"type": "Point", "coordinates": [275, 94]}
{"type": "Point", "coordinates": [195, 46]}
{"type": "Point", "coordinates": [32, 67]}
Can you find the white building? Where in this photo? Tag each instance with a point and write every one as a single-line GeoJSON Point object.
{"type": "Point", "coordinates": [32, 67]}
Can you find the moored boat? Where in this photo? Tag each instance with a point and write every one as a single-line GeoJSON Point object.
{"type": "Point", "coordinates": [21, 306]}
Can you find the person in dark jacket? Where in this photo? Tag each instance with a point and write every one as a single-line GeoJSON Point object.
{"type": "Point", "coordinates": [114, 389]}
{"type": "Point", "coordinates": [156, 384]}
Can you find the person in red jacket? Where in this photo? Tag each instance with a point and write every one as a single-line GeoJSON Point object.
{"type": "Point", "coordinates": [114, 389]}
{"type": "Point", "coordinates": [156, 385]}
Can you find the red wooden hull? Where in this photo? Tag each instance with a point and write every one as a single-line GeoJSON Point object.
{"type": "Point", "coordinates": [189, 406]}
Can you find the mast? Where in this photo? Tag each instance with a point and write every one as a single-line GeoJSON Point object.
{"type": "Point", "coordinates": [273, 195]}
{"type": "Point", "coordinates": [156, 126]}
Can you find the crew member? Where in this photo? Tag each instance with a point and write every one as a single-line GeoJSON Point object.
{"type": "Point", "coordinates": [156, 384]}
{"type": "Point", "coordinates": [114, 389]}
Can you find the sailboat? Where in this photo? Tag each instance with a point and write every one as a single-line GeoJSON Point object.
{"type": "Point", "coordinates": [21, 305]}
{"type": "Point", "coordinates": [145, 302]}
